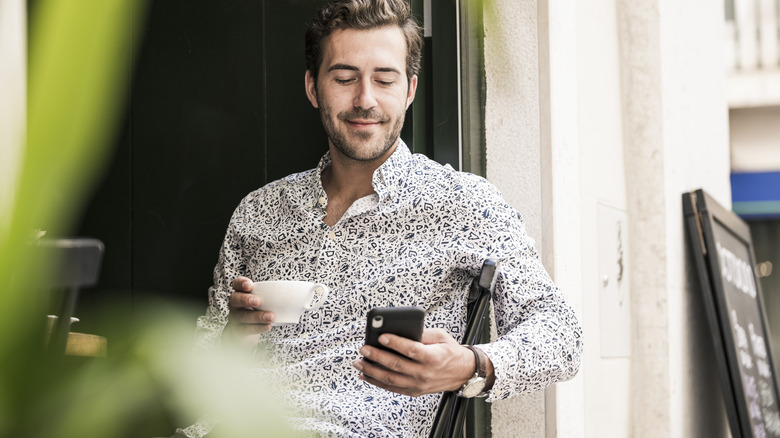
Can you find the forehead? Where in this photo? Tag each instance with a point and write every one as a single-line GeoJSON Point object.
{"type": "Point", "coordinates": [365, 49]}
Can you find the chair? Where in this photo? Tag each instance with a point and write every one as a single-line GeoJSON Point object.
{"type": "Point", "coordinates": [451, 415]}
{"type": "Point", "coordinates": [76, 264]}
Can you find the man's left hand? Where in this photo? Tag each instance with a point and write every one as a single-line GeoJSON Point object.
{"type": "Point", "coordinates": [437, 363]}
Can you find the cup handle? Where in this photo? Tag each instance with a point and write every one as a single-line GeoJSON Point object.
{"type": "Point", "coordinates": [320, 292]}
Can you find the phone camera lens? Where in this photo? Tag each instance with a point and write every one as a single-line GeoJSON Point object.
{"type": "Point", "coordinates": [377, 322]}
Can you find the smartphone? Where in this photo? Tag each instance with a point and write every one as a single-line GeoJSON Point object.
{"type": "Point", "coordinates": [401, 321]}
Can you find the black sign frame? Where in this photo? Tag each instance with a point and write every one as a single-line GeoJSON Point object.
{"type": "Point", "coordinates": [723, 253]}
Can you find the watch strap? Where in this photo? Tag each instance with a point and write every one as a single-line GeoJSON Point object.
{"type": "Point", "coordinates": [480, 368]}
{"type": "Point", "coordinates": [477, 382]}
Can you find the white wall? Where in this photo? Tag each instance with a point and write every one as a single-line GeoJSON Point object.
{"type": "Point", "coordinates": [13, 41]}
{"type": "Point", "coordinates": [696, 150]}
{"type": "Point", "coordinates": [513, 157]}
{"type": "Point", "coordinates": [675, 140]}
{"type": "Point", "coordinates": [606, 310]}
{"type": "Point", "coordinates": [531, 133]}
{"type": "Point", "coordinates": [602, 112]}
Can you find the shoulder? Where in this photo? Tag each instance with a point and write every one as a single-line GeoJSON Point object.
{"type": "Point", "coordinates": [449, 184]}
{"type": "Point", "coordinates": [276, 194]}
{"type": "Point", "coordinates": [471, 198]}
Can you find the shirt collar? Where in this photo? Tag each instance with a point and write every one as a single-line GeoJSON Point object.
{"type": "Point", "coordinates": [391, 174]}
{"type": "Point", "coordinates": [387, 178]}
{"type": "Point", "coordinates": [317, 196]}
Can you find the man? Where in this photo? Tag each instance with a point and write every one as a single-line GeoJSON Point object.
{"type": "Point", "coordinates": [383, 227]}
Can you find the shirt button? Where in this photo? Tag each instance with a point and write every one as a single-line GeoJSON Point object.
{"type": "Point", "coordinates": [332, 235]}
{"type": "Point", "coordinates": [322, 200]}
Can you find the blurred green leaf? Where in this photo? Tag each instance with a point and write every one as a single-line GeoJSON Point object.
{"type": "Point", "coordinates": [80, 60]}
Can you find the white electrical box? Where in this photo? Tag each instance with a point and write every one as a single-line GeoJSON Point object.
{"type": "Point", "coordinates": [614, 286]}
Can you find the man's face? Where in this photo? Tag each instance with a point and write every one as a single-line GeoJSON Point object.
{"type": "Point", "coordinates": [362, 91]}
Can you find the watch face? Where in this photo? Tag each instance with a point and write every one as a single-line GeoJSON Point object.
{"type": "Point", "coordinates": [473, 387]}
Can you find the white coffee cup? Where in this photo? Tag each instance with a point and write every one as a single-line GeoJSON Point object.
{"type": "Point", "coordinates": [289, 299]}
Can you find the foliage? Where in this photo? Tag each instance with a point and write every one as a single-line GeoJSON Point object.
{"type": "Point", "coordinates": [80, 58]}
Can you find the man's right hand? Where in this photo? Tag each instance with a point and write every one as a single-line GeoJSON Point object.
{"type": "Point", "coordinates": [245, 322]}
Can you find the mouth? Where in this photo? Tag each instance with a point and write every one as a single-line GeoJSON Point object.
{"type": "Point", "coordinates": [359, 119]}
{"type": "Point", "coordinates": [363, 124]}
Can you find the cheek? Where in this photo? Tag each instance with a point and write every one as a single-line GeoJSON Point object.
{"type": "Point", "coordinates": [335, 104]}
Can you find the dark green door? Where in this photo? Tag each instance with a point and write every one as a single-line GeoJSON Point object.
{"type": "Point", "coordinates": [217, 109]}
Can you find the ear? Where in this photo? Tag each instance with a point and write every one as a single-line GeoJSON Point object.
{"type": "Point", "coordinates": [311, 89]}
{"type": "Point", "coordinates": [411, 92]}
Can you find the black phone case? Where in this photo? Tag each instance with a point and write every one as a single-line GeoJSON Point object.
{"type": "Point", "coordinates": [402, 321]}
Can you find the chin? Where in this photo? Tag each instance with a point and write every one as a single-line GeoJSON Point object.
{"type": "Point", "coordinates": [363, 153]}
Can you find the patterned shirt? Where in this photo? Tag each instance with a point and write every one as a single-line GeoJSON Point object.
{"type": "Point", "coordinates": [419, 240]}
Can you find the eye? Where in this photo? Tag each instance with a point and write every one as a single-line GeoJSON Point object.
{"type": "Point", "coordinates": [344, 81]}
{"type": "Point", "coordinates": [385, 83]}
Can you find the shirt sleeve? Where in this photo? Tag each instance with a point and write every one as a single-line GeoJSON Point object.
{"type": "Point", "coordinates": [230, 265]}
{"type": "Point", "coordinates": [539, 336]}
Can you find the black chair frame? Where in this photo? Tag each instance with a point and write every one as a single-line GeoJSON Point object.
{"type": "Point", "coordinates": [75, 264]}
{"type": "Point", "coordinates": [451, 415]}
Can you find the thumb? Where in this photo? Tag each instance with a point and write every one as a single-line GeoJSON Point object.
{"type": "Point", "coordinates": [436, 336]}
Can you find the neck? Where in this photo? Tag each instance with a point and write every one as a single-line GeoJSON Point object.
{"type": "Point", "coordinates": [348, 179]}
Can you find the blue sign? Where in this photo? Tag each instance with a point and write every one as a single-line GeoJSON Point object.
{"type": "Point", "coordinates": [756, 194]}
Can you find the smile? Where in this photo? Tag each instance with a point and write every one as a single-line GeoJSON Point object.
{"type": "Point", "coordinates": [363, 123]}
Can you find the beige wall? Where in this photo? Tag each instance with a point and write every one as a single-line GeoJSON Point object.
{"type": "Point", "coordinates": [531, 133]}
{"type": "Point", "coordinates": [604, 111]}
{"type": "Point", "coordinates": [606, 308]}
{"type": "Point", "coordinates": [676, 140]}
{"type": "Point", "coordinates": [755, 139]}
{"type": "Point", "coordinates": [513, 159]}
{"type": "Point", "coordinates": [13, 82]}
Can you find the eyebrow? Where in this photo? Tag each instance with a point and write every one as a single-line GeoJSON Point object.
{"type": "Point", "coordinates": [353, 68]}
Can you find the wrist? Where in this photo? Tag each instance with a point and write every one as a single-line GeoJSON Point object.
{"type": "Point", "coordinates": [490, 378]}
{"type": "Point", "coordinates": [469, 367]}
{"type": "Point", "coordinates": [477, 384]}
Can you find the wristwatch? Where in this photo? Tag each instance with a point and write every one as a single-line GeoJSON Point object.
{"type": "Point", "coordinates": [475, 387]}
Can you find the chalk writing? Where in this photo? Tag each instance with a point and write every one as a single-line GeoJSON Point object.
{"type": "Point", "coordinates": [745, 358]}
{"type": "Point", "coordinates": [736, 271]}
{"type": "Point", "coordinates": [759, 349]}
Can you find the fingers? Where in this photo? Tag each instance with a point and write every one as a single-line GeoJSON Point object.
{"type": "Point", "coordinates": [243, 300]}
{"type": "Point", "coordinates": [244, 306]}
{"type": "Point", "coordinates": [388, 382]}
{"type": "Point", "coordinates": [245, 321]}
{"type": "Point", "coordinates": [387, 359]}
{"type": "Point", "coordinates": [405, 357]}
{"type": "Point", "coordinates": [436, 336]}
{"type": "Point", "coordinates": [413, 350]}
{"type": "Point", "coordinates": [390, 379]}
{"type": "Point", "coordinates": [250, 316]}
{"type": "Point", "coordinates": [242, 284]}
{"type": "Point", "coordinates": [392, 371]}
{"type": "Point", "coordinates": [246, 325]}
{"type": "Point", "coordinates": [438, 363]}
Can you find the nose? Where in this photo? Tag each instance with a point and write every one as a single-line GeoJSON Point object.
{"type": "Point", "coordinates": [365, 98]}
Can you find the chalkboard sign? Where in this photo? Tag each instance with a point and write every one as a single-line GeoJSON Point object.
{"type": "Point", "coordinates": [723, 253]}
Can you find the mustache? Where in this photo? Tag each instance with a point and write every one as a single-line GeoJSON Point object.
{"type": "Point", "coordinates": [360, 113]}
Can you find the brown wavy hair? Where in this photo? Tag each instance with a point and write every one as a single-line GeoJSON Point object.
{"type": "Point", "coordinates": [363, 15]}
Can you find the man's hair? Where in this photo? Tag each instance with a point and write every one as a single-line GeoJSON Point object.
{"type": "Point", "coordinates": [363, 15]}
